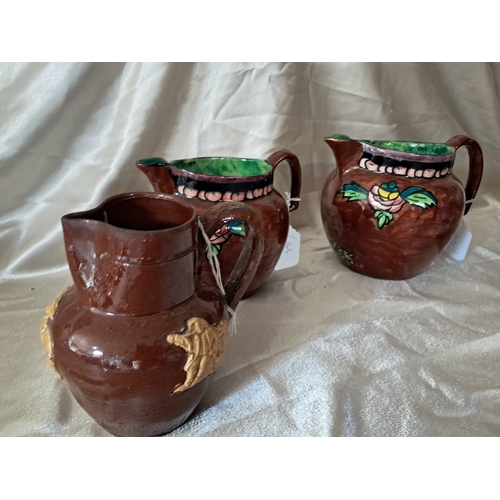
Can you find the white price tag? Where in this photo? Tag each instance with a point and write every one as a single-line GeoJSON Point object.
{"type": "Point", "coordinates": [459, 245]}
{"type": "Point", "coordinates": [290, 255]}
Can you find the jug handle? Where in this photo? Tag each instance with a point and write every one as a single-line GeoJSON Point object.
{"type": "Point", "coordinates": [251, 253]}
{"type": "Point", "coordinates": [157, 170]}
{"type": "Point", "coordinates": [475, 166]}
{"type": "Point", "coordinates": [275, 159]}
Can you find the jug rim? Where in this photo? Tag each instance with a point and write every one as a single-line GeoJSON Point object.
{"type": "Point", "coordinates": [89, 215]}
{"type": "Point", "coordinates": [404, 150]}
{"type": "Point", "coordinates": [223, 167]}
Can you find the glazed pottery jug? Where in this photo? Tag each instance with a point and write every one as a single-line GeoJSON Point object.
{"type": "Point", "coordinates": [390, 208]}
{"type": "Point", "coordinates": [139, 335]}
{"type": "Point", "coordinates": [207, 181]}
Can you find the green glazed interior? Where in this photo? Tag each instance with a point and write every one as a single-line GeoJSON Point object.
{"type": "Point", "coordinates": [224, 167]}
{"type": "Point", "coordinates": [418, 148]}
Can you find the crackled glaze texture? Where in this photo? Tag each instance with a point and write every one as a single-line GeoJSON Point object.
{"type": "Point", "coordinates": [125, 336]}
{"type": "Point", "coordinates": [204, 182]}
{"type": "Point", "coordinates": [390, 207]}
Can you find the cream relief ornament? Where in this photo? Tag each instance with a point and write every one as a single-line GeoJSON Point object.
{"type": "Point", "coordinates": [50, 312]}
{"type": "Point", "coordinates": [205, 345]}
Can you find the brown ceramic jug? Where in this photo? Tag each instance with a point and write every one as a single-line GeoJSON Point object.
{"type": "Point", "coordinates": [139, 335]}
{"type": "Point", "coordinates": [208, 181]}
{"type": "Point", "coordinates": [390, 208]}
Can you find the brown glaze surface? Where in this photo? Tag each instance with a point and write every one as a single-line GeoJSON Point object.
{"type": "Point", "coordinates": [271, 208]}
{"type": "Point", "coordinates": [406, 245]}
{"type": "Point", "coordinates": [137, 281]}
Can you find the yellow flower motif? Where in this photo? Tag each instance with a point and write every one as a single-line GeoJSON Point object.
{"type": "Point", "coordinates": [387, 195]}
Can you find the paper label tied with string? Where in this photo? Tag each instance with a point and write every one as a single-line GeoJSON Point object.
{"type": "Point", "coordinates": [291, 250]}
{"type": "Point", "coordinates": [459, 244]}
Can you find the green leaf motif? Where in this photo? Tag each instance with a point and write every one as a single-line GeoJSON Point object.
{"type": "Point", "coordinates": [354, 192]}
{"type": "Point", "coordinates": [236, 227]}
{"type": "Point", "coordinates": [383, 218]}
{"type": "Point", "coordinates": [215, 250]}
{"type": "Point", "coordinates": [419, 196]}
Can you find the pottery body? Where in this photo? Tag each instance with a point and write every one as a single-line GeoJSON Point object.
{"type": "Point", "coordinates": [204, 182]}
{"type": "Point", "coordinates": [139, 335]}
{"type": "Point", "coordinates": [390, 208]}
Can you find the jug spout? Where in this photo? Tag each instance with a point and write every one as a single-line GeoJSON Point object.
{"type": "Point", "coordinates": [345, 149]}
{"type": "Point", "coordinates": [157, 170]}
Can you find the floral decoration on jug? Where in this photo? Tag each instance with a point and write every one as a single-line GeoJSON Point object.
{"type": "Point", "coordinates": [343, 254]}
{"type": "Point", "coordinates": [387, 200]}
{"type": "Point", "coordinates": [223, 234]}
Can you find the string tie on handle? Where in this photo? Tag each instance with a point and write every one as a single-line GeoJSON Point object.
{"type": "Point", "coordinates": [288, 199]}
{"type": "Point", "coordinates": [215, 266]}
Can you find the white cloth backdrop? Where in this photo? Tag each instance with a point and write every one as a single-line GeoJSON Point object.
{"type": "Point", "coordinates": [320, 351]}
